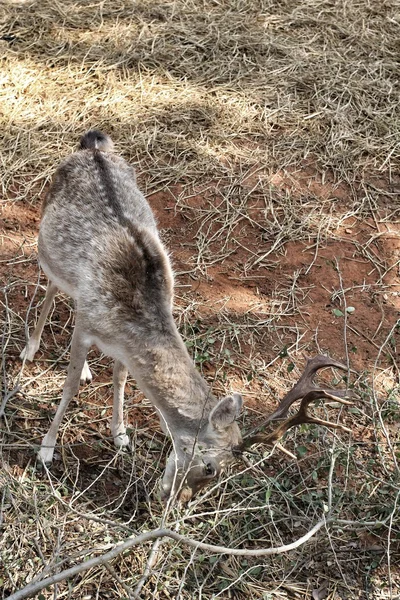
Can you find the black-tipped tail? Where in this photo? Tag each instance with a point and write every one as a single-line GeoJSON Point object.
{"type": "Point", "coordinates": [96, 140]}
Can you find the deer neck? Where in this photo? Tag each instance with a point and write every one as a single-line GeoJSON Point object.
{"type": "Point", "coordinates": [167, 375]}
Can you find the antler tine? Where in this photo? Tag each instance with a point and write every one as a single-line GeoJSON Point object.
{"type": "Point", "coordinates": [305, 384]}
{"type": "Point", "coordinates": [302, 387]}
{"type": "Point", "coordinates": [302, 416]}
{"type": "Point", "coordinates": [308, 391]}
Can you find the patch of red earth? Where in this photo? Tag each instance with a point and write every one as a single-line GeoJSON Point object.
{"type": "Point", "coordinates": [319, 271]}
{"type": "Point", "coordinates": [19, 223]}
{"type": "Point", "coordinates": [20, 220]}
{"type": "Point", "coordinates": [361, 257]}
{"type": "Point", "coordinates": [232, 286]}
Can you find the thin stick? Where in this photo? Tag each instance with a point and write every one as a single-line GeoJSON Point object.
{"type": "Point", "coordinates": [31, 589]}
{"type": "Point", "coordinates": [151, 561]}
{"type": "Point", "coordinates": [115, 575]}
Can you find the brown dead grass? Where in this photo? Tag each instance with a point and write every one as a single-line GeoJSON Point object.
{"type": "Point", "coordinates": [267, 138]}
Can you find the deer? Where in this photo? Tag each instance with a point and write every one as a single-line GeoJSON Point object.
{"type": "Point", "coordinates": [99, 243]}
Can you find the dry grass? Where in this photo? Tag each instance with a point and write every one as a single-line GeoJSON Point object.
{"type": "Point", "coordinates": [271, 131]}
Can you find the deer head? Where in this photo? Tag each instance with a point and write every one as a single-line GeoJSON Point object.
{"type": "Point", "coordinates": [200, 458]}
{"type": "Point", "coordinates": [192, 467]}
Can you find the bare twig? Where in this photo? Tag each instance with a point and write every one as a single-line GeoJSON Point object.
{"type": "Point", "coordinates": [30, 590]}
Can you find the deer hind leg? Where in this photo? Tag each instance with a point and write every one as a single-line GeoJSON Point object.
{"type": "Point", "coordinates": [118, 430]}
{"type": "Point", "coordinates": [33, 343]}
{"type": "Point", "coordinates": [79, 350]}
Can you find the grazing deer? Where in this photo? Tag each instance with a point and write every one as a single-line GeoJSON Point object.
{"type": "Point", "coordinates": [98, 242]}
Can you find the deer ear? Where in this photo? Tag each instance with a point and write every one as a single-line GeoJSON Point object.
{"type": "Point", "coordinates": [226, 411]}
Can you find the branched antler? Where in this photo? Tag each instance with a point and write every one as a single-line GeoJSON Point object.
{"type": "Point", "coordinates": [308, 392]}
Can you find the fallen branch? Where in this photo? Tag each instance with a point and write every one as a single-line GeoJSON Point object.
{"type": "Point", "coordinates": [32, 588]}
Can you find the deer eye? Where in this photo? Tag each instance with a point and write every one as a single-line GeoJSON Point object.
{"type": "Point", "coordinates": [209, 470]}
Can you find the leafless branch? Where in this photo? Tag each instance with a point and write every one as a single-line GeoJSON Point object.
{"type": "Point", "coordinates": [32, 589]}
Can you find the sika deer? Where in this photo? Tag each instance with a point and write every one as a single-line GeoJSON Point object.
{"type": "Point", "coordinates": [98, 242]}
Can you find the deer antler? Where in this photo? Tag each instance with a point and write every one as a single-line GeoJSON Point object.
{"type": "Point", "coordinates": [309, 392]}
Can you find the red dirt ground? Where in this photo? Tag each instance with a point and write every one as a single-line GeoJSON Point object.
{"type": "Point", "coordinates": [246, 291]}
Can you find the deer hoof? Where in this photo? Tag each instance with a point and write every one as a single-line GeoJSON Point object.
{"type": "Point", "coordinates": [122, 440]}
{"type": "Point", "coordinates": [28, 353]}
{"type": "Point", "coordinates": [46, 454]}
